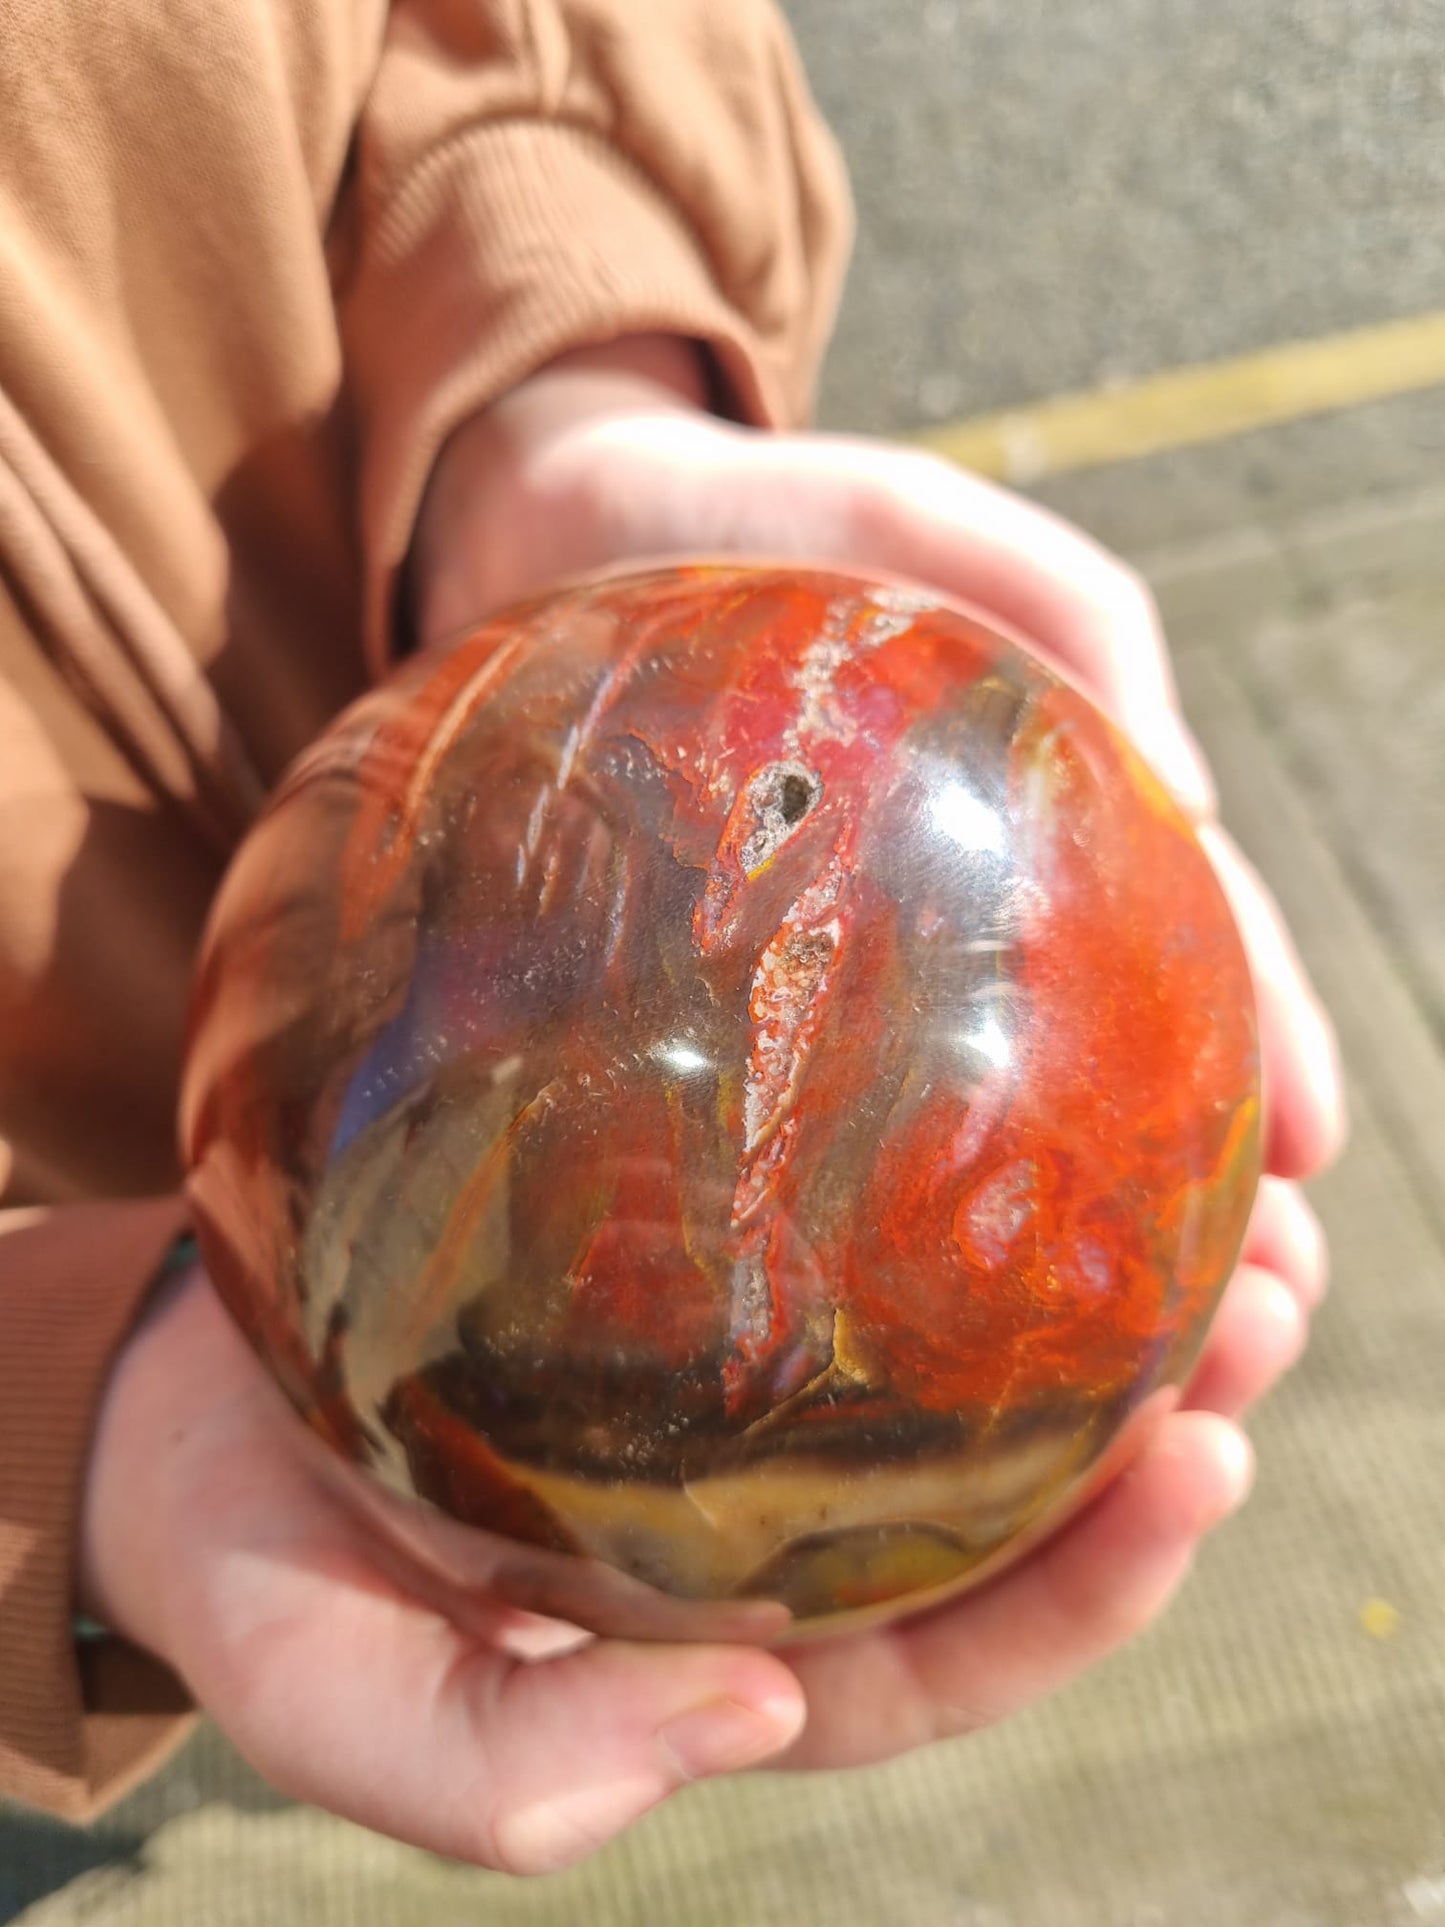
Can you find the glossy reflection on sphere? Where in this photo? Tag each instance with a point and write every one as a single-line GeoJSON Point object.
{"type": "Point", "coordinates": [734, 1081]}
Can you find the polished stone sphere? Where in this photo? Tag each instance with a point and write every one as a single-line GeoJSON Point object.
{"type": "Point", "coordinates": [735, 1081]}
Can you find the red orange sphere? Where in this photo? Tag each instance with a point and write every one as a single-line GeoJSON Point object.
{"type": "Point", "coordinates": [736, 1081]}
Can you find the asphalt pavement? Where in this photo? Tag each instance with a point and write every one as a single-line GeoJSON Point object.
{"type": "Point", "coordinates": [1053, 195]}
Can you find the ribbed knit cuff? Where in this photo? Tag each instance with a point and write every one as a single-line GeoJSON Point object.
{"type": "Point", "coordinates": [517, 242]}
{"type": "Point", "coordinates": [79, 1725]}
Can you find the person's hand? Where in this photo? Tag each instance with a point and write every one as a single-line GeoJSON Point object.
{"type": "Point", "coordinates": [356, 1652]}
{"type": "Point", "coordinates": [607, 457]}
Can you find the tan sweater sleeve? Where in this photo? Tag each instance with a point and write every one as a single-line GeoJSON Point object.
{"type": "Point", "coordinates": [536, 175]}
{"type": "Point", "coordinates": [79, 1724]}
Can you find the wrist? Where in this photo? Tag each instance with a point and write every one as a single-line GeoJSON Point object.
{"type": "Point", "coordinates": [634, 373]}
{"type": "Point", "coordinates": [483, 534]}
{"type": "Point", "coordinates": [111, 1559]}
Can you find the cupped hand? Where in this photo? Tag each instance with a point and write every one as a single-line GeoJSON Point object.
{"type": "Point", "coordinates": [376, 1671]}
{"type": "Point", "coordinates": [222, 1535]}
{"type": "Point", "coordinates": [354, 1650]}
{"type": "Point", "coordinates": [604, 458]}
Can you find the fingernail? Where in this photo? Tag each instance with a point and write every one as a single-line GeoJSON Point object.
{"type": "Point", "coordinates": [724, 1735]}
{"type": "Point", "coordinates": [1237, 1462]}
{"type": "Point", "coordinates": [1322, 1067]}
{"type": "Point", "coordinates": [1281, 1304]}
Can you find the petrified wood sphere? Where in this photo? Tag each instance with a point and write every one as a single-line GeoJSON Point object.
{"type": "Point", "coordinates": [735, 1081]}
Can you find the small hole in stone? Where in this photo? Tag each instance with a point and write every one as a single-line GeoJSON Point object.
{"type": "Point", "coordinates": [797, 797]}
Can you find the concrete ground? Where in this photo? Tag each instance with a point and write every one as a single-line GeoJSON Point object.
{"type": "Point", "coordinates": [1051, 196]}
{"type": "Point", "coordinates": [1055, 196]}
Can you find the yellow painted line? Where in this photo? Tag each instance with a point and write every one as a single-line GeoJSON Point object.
{"type": "Point", "coordinates": [1207, 403]}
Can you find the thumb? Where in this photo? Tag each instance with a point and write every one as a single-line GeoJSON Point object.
{"type": "Point", "coordinates": [375, 1707]}
{"type": "Point", "coordinates": [583, 1745]}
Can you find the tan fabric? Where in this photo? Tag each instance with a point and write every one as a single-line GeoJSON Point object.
{"type": "Point", "coordinates": [257, 259]}
{"type": "Point", "coordinates": [87, 1266]}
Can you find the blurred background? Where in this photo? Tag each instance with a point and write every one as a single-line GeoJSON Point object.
{"type": "Point", "coordinates": [1063, 198]}
{"type": "Point", "coordinates": [1080, 201]}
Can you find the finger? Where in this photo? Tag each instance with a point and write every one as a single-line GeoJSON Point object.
{"type": "Point", "coordinates": [1080, 605]}
{"type": "Point", "coordinates": [1304, 1105]}
{"type": "Point", "coordinates": [1284, 1237]}
{"type": "Point", "coordinates": [1094, 1586]}
{"type": "Point", "coordinates": [582, 1746]}
{"type": "Point", "coordinates": [354, 1698]}
{"type": "Point", "coordinates": [1258, 1333]}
